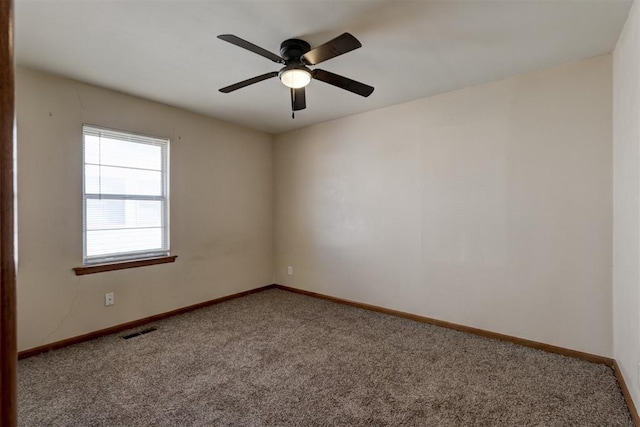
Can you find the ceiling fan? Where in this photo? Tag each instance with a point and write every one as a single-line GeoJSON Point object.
{"type": "Point", "coordinates": [297, 55]}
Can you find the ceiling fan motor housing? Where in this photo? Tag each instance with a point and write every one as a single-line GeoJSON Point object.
{"type": "Point", "coordinates": [293, 49]}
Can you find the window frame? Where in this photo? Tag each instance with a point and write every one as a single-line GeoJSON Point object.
{"type": "Point", "coordinates": [129, 257]}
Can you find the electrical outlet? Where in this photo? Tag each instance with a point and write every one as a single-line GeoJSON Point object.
{"type": "Point", "coordinates": [109, 299]}
{"type": "Point", "coordinates": [290, 270]}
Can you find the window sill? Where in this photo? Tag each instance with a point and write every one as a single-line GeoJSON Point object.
{"type": "Point", "coordinates": [99, 268]}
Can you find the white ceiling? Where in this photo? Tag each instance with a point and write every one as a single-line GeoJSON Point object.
{"type": "Point", "coordinates": [167, 51]}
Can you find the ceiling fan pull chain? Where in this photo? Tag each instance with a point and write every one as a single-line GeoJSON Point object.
{"type": "Point", "coordinates": [293, 103]}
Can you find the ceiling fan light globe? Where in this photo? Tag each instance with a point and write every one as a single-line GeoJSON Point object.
{"type": "Point", "coordinates": [295, 78]}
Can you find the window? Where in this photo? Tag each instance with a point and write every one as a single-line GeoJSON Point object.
{"type": "Point", "coordinates": [125, 196]}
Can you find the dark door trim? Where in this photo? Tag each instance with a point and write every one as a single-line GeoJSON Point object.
{"type": "Point", "coordinates": [8, 358]}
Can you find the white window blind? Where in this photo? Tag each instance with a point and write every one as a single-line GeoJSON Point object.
{"type": "Point", "coordinates": [126, 196]}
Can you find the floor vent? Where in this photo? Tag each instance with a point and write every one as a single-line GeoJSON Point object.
{"type": "Point", "coordinates": [142, 332]}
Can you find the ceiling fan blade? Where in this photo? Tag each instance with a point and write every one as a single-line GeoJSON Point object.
{"type": "Point", "coordinates": [298, 99]}
{"type": "Point", "coordinates": [250, 46]}
{"type": "Point", "coordinates": [343, 82]}
{"type": "Point", "coordinates": [248, 82]}
{"type": "Point", "coordinates": [342, 44]}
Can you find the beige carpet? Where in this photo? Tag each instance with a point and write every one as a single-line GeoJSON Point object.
{"type": "Point", "coordinates": [280, 359]}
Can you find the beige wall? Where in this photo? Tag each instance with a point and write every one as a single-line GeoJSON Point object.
{"type": "Point", "coordinates": [489, 206]}
{"type": "Point", "coordinates": [626, 203]}
{"type": "Point", "coordinates": [221, 210]}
